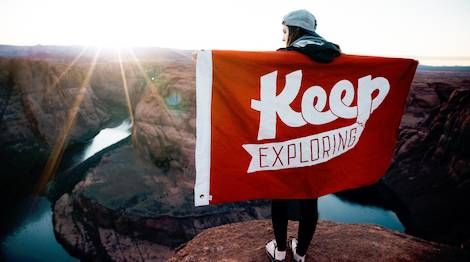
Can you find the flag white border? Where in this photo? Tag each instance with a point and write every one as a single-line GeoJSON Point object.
{"type": "Point", "coordinates": [203, 127]}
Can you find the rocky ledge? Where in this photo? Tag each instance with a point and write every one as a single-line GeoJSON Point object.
{"type": "Point", "coordinates": [332, 242]}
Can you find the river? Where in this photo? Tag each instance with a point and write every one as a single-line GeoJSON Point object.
{"type": "Point", "coordinates": [27, 231]}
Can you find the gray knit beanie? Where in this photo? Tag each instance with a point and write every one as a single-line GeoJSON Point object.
{"type": "Point", "coordinates": [301, 18]}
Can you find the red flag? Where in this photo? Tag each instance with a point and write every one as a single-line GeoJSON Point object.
{"type": "Point", "coordinates": [278, 125]}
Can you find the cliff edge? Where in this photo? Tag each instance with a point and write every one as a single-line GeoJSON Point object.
{"type": "Point", "coordinates": [245, 241]}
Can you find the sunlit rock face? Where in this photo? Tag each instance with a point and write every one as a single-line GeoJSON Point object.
{"type": "Point", "coordinates": [48, 101]}
{"type": "Point", "coordinates": [165, 119]}
{"type": "Point", "coordinates": [47, 94]}
{"type": "Point", "coordinates": [431, 165]}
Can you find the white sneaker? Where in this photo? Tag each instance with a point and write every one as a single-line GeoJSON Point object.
{"type": "Point", "coordinates": [273, 253]}
{"type": "Point", "coordinates": [295, 256]}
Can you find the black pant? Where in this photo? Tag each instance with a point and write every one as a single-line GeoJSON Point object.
{"type": "Point", "coordinates": [307, 222]}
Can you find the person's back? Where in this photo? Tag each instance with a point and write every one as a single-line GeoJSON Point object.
{"type": "Point", "coordinates": [299, 34]}
{"type": "Point", "coordinates": [317, 48]}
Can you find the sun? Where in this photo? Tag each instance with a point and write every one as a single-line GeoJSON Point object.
{"type": "Point", "coordinates": [111, 24]}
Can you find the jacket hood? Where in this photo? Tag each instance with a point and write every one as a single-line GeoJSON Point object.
{"type": "Point", "coordinates": [316, 47]}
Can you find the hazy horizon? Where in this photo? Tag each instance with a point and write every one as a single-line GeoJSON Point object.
{"type": "Point", "coordinates": [431, 31]}
{"type": "Point", "coordinates": [423, 61]}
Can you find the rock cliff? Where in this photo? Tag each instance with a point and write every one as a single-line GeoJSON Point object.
{"type": "Point", "coordinates": [430, 171]}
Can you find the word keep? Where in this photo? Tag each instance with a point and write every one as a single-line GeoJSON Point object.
{"type": "Point", "coordinates": [313, 102]}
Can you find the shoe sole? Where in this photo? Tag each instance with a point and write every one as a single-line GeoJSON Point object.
{"type": "Point", "coordinates": [272, 259]}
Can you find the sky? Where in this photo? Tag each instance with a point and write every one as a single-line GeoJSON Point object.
{"type": "Point", "coordinates": [432, 30]}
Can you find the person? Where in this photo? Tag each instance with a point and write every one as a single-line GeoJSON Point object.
{"type": "Point", "coordinates": [299, 34]}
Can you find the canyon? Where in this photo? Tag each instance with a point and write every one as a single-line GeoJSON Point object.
{"type": "Point", "coordinates": [138, 203]}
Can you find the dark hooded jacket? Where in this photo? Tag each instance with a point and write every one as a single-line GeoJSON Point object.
{"type": "Point", "coordinates": [315, 47]}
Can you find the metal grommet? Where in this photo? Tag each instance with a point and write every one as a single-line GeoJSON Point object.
{"type": "Point", "coordinates": [201, 196]}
